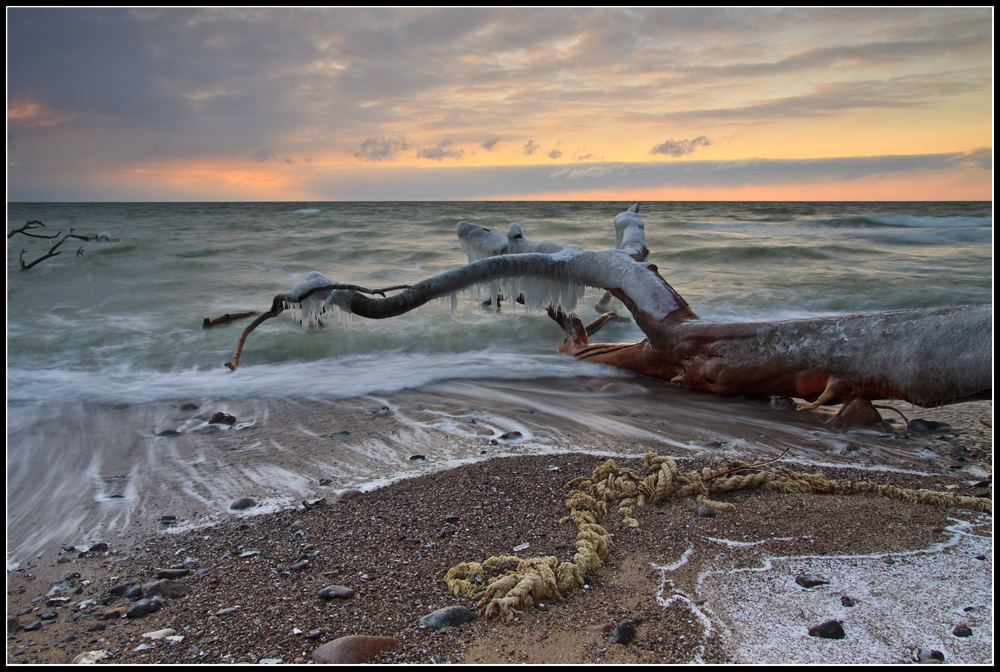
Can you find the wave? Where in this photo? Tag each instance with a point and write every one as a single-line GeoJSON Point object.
{"type": "Point", "coordinates": [900, 221]}
{"type": "Point", "coordinates": [339, 378]}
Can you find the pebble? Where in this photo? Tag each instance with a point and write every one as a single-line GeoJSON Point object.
{"type": "Point", "coordinates": [90, 657]}
{"type": "Point", "coordinates": [171, 573]}
{"type": "Point", "coordinates": [848, 601]}
{"type": "Point", "coordinates": [782, 403]}
{"type": "Point", "coordinates": [48, 615]}
{"type": "Point", "coordinates": [810, 581]}
{"type": "Point", "coordinates": [168, 433]}
{"type": "Point", "coordinates": [159, 634]}
{"type": "Point", "coordinates": [353, 649]}
{"type": "Point", "coordinates": [705, 511]}
{"type": "Point", "coordinates": [242, 503]}
{"type": "Point", "coordinates": [221, 418]}
{"type": "Point", "coordinates": [342, 434]}
{"type": "Point", "coordinates": [331, 592]}
{"type": "Point", "coordinates": [129, 590]}
{"type": "Point", "coordinates": [962, 631]}
{"type": "Point", "coordinates": [144, 607]}
{"type": "Point", "coordinates": [828, 630]}
{"type": "Point", "coordinates": [37, 625]}
{"type": "Point", "coordinates": [927, 655]}
{"type": "Point", "coordinates": [227, 611]}
{"type": "Point", "coordinates": [165, 588]}
{"type": "Point", "coordinates": [448, 617]}
{"type": "Point", "coordinates": [623, 634]}
{"type": "Point", "coordinates": [98, 547]}
{"type": "Point", "coordinates": [417, 458]}
{"type": "Point", "coordinates": [348, 495]}
{"type": "Point", "coordinates": [927, 426]}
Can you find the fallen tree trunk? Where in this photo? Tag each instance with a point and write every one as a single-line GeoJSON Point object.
{"type": "Point", "coordinates": [927, 356]}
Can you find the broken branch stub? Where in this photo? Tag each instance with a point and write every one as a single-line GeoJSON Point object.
{"type": "Point", "coordinates": [927, 356]}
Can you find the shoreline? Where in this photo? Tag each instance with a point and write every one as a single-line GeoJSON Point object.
{"type": "Point", "coordinates": [394, 543]}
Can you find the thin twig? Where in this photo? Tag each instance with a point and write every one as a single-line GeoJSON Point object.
{"type": "Point", "coordinates": [890, 408]}
{"type": "Point", "coordinates": [747, 466]}
{"type": "Point", "coordinates": [31, 225]}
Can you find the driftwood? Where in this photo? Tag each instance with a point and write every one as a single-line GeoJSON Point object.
{"type": "Point", "coordinates": [209, 322]}
{"type": "Point", "coordinates": [926, 356]}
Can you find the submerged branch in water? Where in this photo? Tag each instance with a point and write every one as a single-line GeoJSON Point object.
{"type": "Point", "coordinates": [100, 237]}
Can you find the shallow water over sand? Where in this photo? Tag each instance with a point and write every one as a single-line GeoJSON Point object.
{"type": "Point", "coordinates": [80, 473]}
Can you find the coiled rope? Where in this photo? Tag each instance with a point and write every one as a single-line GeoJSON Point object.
{"type": "Point", "coordinates": [521, 582]}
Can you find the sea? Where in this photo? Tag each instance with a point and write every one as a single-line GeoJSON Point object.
{"type": "Point", "coordinates": [112, 378]}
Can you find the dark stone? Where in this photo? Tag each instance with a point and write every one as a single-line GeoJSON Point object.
{"type": "Point", "coordinates": [172, 573]}
{"type": "Point", "coordinates": [71, 576]}
{"type": "Point", "coordinates": [828, 630]}
{"type": "Point", "coordinates": [300, 566]}
{"type": "Point", "coordinates": [449, 617]}
{"type": "Point", "coordinates": [97, 627]}
{"type": "Point", "coordinates": [385, 410]}
{"type": "Point", "coordinates": [810, 581]}
{"type": "Point", "coordinates": [451, 519]}
{"type": "Point", "coordinates": [782, 403]}
{"type": "Point", "coordinates": [242, 503]}
{"type": "Point", "coordinates": [325, 481]}
{"type": "Point", "coordinates": [31, 627]}
{"type": "Point", "coordinates": [315, 634]}
{"type": "Point", "coordinates": [923, 655]}
{"type": "Point", "coordinates": [962, 631]}
{"type": "Point", "coordinates": [221, 418]}
{"type": "Point", "coordinates": [331, 592]}
{"type": "Point", "coordinates": [190, 407]}
{"type": "Point", "coordinates": [848, 601]}
{"type": "Point", "coordinates": [417, 458]}
{"type": "Point", "coordinates": [165, 588]}
{"type": "Point", "coordinates": [167, 433]}
{"type": "Point", "coordinates": [342, 434]}
{"type": "Point", "coordinates": [67, 639]}
{"type": "Point", "coordinates": [143, 607]}
{"type": "Point", "coordinates": [927, 426]}
{"type": "Point", "coordinates": [705, 511]}
{"type": "Point", "coordinates": [509, 436]}
{"type": "Point", "coordinates": [306, 557]}
{"type": "Point", "coordinates": [98, 547]}
{"type": "Point", "coordinates": [48, 615]}
{"type": "Point", "coordinates": [623, 634]}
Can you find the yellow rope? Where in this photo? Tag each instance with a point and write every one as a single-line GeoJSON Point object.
{"type": "Point", "coordinates": [517, 583]}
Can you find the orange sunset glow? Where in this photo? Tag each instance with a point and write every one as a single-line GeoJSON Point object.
{"type": "Point", "coordinates": [439, 104]}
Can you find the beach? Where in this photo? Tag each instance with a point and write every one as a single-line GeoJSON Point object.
{"type": "Point", "coordinates": [697, 589]}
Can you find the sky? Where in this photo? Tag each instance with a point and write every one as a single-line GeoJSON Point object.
{"type": "Point", "coordinates": [498, 104]}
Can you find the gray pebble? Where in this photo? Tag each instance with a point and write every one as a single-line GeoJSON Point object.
{"type": "Point", "coordinates": [242, 503]}
{"type": "Point", "coordinates": [623, 634]}
{"type": "Point", "coordinates": [810, 581]}
{"type": "Point", "coordinates": [144, 607]}
{"type": "Point", "coordinates": [37, 625]}
{"type": "Point", "coordinates": [848, 601]}
{"type": "Point", "coordinates": [447, 617]}
{"type": "Point", "coordinates": [962, 631]}
{"type": "Point", "coordinates": [342, 592]}
{"type": "Point", "coordinates": [705, 511]}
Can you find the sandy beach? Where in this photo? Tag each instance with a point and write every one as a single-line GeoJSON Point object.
{"type": "Point", "coordinates": [696, 589]}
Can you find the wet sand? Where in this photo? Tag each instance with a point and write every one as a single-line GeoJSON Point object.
{"type": "Point", "coordinates": [470, 498]}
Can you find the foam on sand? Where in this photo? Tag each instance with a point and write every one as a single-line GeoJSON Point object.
{"type": "Point", "coordinates": [903, 601]}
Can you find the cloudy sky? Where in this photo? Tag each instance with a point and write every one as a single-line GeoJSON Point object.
{"type": "Point", "coordinates": [436, 104]}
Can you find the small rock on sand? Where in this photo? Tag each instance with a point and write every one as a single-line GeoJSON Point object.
{"type": "Point", "coordinates": [242, 503]}
{"type": "Point", "coordinates": [350, 493]}
{"type": "Point", "coordinates": [447, 617]}
{"type": "Point", "coordinates": [331, 592]}
{"type": "Point", "coordinates": [353, 649]}
{"type": "Point", "coordinates": [828, 630]}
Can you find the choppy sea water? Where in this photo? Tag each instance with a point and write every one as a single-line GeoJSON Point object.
{"type": "Point", "coordinates": [107, 349]}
